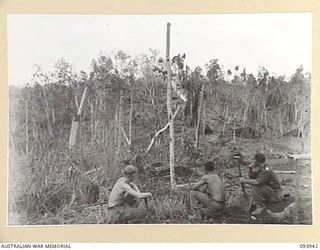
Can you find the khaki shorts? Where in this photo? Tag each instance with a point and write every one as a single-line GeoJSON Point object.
{"type": "Point", "coordinates": [125, 213]}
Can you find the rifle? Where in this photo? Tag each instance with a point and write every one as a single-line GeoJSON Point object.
{"type": "Point", "coordinates": [237, 157]}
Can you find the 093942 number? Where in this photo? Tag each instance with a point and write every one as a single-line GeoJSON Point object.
{"type": "Point", "coordinates": [308, 246]}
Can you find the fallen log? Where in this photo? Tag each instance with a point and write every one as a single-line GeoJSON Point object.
{"type": "Point", "coordinates": [185, 185]}
{"type": "Point", "coordinates": [284, 172]}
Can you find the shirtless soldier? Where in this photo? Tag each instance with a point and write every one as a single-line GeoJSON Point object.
{"type": "Point", "coordinates": [213, 196]}
{"type": "Point", "coordinates": [120, 210]}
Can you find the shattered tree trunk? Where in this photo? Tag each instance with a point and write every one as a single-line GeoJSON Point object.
{"type": "Point", "coordinates": [171, 123]}
{"type": "Point", "coordinates": [53, 115]}
{"type": "Point", "coordinates": [245, 113]}
{"type": "Point", "coordinates": [199, 115]}
{"type": "Point", "coordinates": [76, 120]}
{"type": "Point", "coordinates": [119, 121]}
{"type": "Point", "coordinates": [280, 124]}
{"type": "Point", "coordinates": [27, 128]}
{"type": "Point", "coordinates": [92, 123]}
{"type": "Point", "coordinates": [13, 145]}
{"type": "Point", "coordinates": [130, 121]}
{"type": "Point", "coordinates": [76, 100]}
{"type": "Point", "coordinates": [225, 121]}
{"type": "Point", "coordinates": [47, 111]}
{"type": "Point", "coordinates": [234, 131]}
{"type": "Point", "coordinates": [265, 114]}
{"type": "Point", "coordinates": [204, 123]}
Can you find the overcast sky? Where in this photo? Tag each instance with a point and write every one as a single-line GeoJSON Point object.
{"type": "Point", "coordinates": [280, 42]}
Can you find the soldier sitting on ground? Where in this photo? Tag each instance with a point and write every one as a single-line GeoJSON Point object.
{"type": "Point", "coordinates": [213, 196]}
{"type": "Point", "coordinates": [126, 201]}
{"type": "Point", "coordinates": [265, 185]}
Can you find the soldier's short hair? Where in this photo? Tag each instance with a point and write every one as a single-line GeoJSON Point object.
{"type": "Point", "coordinates": [260, 158]}
{"type": "Point", "coordinates": [209, 166]}
{"type": "Point", "coordinates": [130, 169]}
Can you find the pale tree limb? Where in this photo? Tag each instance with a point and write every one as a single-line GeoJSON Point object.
{"type": "Point", "coordinates": [199, 115]}
{"type": "Point", "coordinates": [75, 122]}
{"type": "Point", "coordinates": [162, 130]}
{"type": "Point", "coordinates": [179, 91]}
{"type": "Point", "coordinates": [169, 108]}
{"type": "Point", "coordinates": [125, 136]}
{"type": "Point", "coordinates": [186, 185]}
{"type": "Point", "coordinates": [130, 119]}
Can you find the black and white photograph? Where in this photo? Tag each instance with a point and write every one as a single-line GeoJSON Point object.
{"type": "Point", "coordinates": [159, 119]}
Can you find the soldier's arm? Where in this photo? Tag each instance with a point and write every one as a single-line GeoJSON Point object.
{"type": "Point", "coordinates": [249, 181]}
{"type": "Point", "coordinates": [259, 181]}
{"type": "Point", "coordinates": [251, 175]}
{"type": "Point", "coordinates": [134, 186]}
{"type": "Point", "coordinates": [127, 188]}
{"type": "Point", "coordinates": [201, 182]}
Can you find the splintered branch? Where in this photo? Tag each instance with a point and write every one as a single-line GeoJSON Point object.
{"type": "Point", "coordinates": [162, 130]}
{"type": "Point", "coordinates": [125, 136]}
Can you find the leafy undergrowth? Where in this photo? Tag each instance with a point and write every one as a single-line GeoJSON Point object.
{"type": "Point", "coordinates": [54, 194]}
{"type": "Point", "coordinates": [166, 208]}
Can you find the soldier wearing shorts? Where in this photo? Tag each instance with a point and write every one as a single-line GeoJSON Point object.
{"type": "Point", "coordinates": [126, 202]}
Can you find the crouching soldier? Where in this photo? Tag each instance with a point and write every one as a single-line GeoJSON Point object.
{"type": "Point", "coordinates": [126, 201]}
{"type": "Point", "coordinates": [213, 195]}
{"type": "Point", "coordinates": [293, 209]}
{"type": "Point", "coordinates": [265, 184]}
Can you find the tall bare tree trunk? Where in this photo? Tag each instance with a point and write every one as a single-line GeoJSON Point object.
{"type": "Point", "coordinates": [204, 120]}
{"type": "Point", "coordinates": [27, 128]}
{"type": "Point", "coordinates": [199, 115]}
{"type": "Point", "coordinates": [47, 112]}
{"type": "Point", "coordinates": [76, 120]}
{"type": "Point", "coordinates": [171, 122]}
{"type": "Point", "coordinates": [245, 113]}
{"type": "Point", "coordinates": [265, 115]}
{"type": "Point", "coordinates": [76, 101]}
{"type": "Point", "coordinates": [182, 135]}
{"type": "Point", "coordinates": [34, 130]}
{"type": "Point", "coordinates": [280, 123]}
{"type": "Point", "coordinates": [116, 130]}
{"type": "Point", "coordinates": [53, 115]}
{"type": "Point", "coordinates": [226, 118]}
{"type": "Point", "coordinates": [234, 131]}
{"type": "Point", "coordinates": [119, 123]}
{"type": "Point", "coordinates": [92, 123]}
{"type": "Point", "coordinates": [301, 131]}
{"type": "Point", "coordinates": [261, 113]}
{"type": "Point", "coordinates": [106, 137]}
{"type": "Point", "coordinates": [183, 129]}
{"type": "Point", "coordinates": [130, 121]}
{"type": "Point", "coordinates": [13, 145]}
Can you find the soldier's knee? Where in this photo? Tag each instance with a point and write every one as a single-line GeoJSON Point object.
{"type": "Point", "coordinates": [193, 192]}
{"type": "Point", "coordinates": [142, 212]}
{"type": "Point", "coordinates": [254, 190]}
{"type": "Point", "coordinates": [290, 209]}
{"type": "Point", "coordinates": [258, 189]}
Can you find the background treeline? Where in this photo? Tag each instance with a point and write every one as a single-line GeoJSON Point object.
{"type": "Point", "coordinates": [124, 109]}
